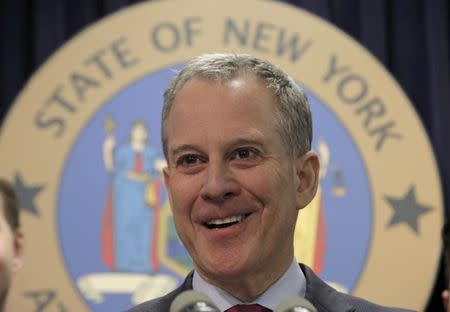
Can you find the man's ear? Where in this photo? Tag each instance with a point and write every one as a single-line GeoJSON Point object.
{"type": "Point", "coordinates": [19, 257]}
{"type": "Point", "coordinates": [166, 176]}
{"type": "Point", "coordinates": [307, 171]}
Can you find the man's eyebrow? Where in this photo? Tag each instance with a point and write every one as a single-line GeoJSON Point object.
{"type": "Point", "coordinates": [183, 148]}
{"type": "Point", "coordinates": [251, 140]}
{"type": "Point", "coordinates": [247, 141]}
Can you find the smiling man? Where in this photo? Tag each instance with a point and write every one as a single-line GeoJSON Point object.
{"type": "Point", "coordinates": [236, 134]}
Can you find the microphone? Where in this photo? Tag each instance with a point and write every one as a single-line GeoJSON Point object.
{"type": "Point", "coordinates": [193, 301]}
{"type": "Point", "coordinates": [295, 304]}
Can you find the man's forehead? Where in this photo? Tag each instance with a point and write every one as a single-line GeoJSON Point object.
{"type": "Point", "coordinates": [240, 107]}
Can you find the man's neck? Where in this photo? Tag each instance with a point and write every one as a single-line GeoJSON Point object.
{"type": "Point", "coordinates": [291, 284]}
{"type": "Point", "coordinates": [248, 287]}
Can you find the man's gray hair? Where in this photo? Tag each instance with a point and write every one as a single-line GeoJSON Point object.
{"type": "Point", "coordinates": [294, 114]}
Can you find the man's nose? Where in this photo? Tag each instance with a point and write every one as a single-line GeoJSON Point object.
{"type": "Point", "coordinates": [220, 183]}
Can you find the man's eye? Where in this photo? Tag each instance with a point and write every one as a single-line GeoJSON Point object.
{"type": "Point", "coordinates": [245, 153]}
{"type": "Point", "coordinates": [188, 160]}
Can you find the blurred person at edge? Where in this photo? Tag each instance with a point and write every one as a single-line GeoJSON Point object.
{"type": "Point", "coordinates": [11, 239]}
{"type": "Point", "coordinates": [236, 134]}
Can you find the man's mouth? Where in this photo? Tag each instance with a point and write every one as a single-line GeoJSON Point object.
{"type": "Point", "coordinates": [225, 222]}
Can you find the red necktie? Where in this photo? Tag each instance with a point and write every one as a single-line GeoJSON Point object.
{"type": "Point", "coordinates": [248, 308]}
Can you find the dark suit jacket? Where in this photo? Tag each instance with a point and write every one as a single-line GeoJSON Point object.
{"type": "Point", "coordinates": [322, 296]}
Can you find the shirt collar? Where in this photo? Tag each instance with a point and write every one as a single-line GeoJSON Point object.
{"type": "Point", "coordinates": [291, 284]}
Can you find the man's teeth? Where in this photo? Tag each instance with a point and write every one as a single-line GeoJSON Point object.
{"type": "Point", "coordinates": [233, 219]}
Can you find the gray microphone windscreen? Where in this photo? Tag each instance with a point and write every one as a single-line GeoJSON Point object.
{"type": "Point", "coordinates": [193, 301]}
{"type": "Point", "coordinates": [295, 304]}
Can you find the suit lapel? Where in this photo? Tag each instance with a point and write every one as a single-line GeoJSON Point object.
{"type": "Point", "coordinates": [322, 296]}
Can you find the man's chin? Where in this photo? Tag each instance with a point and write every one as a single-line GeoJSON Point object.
{"type": "Point", "coordinates": [223, 271]}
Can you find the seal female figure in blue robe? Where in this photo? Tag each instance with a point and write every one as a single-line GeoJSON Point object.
{"type": "Point", "coordinates": [133, 218]}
